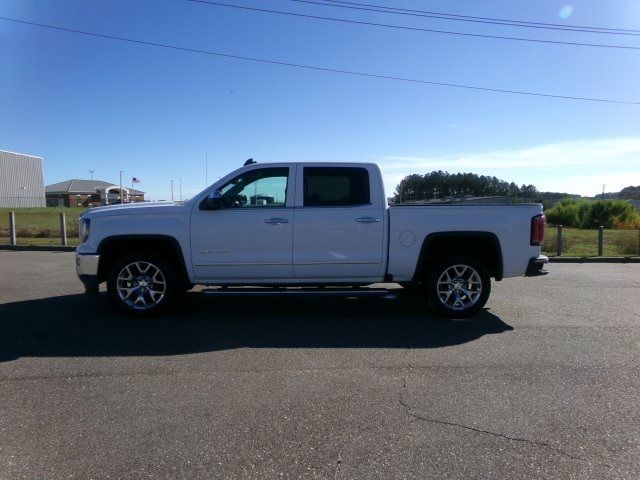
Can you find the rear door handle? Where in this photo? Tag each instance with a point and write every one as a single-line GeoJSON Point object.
{"type": "Point", "coordinates": [276, 221]}
{"type": "Point", "coordinates": [368, 220]}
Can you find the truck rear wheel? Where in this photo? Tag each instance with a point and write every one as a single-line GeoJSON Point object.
{"type": "Point", "coordinates": [142, 285]}
{"type": "Point", "coordinates": [457, 287]}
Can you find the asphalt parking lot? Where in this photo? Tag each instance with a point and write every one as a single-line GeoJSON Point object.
{"type": "Point", "coordinates": [545, 383]}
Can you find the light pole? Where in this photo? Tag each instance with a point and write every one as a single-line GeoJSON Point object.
{"type": "Point", "coordinates": [172, 190]}
{"type": "Point", "coordinates": [121, 171]}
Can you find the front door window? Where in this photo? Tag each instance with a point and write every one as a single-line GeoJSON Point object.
{"type": "Point", "coordinates": [264, 187]}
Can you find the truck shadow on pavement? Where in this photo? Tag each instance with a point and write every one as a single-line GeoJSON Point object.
{"type": "Point", "coordinates": [76, 325]}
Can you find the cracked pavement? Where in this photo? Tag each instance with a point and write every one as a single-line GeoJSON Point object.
{"type": "Point", "coordinates": [543, 384]}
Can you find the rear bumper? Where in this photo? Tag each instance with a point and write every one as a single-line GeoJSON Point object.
{"type": "Point", "coordinates": [87, 271]}
{"type": "Point", "coordinates": [536, 266]}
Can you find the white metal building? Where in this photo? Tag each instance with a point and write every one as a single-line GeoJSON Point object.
{"type": "Point", "coordinates": [21, 180]}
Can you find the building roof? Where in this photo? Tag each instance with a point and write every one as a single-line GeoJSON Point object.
{"type": "Point", "coordinates": [76, 186]}
{"type": "Point", "coordinates": [20, 154]}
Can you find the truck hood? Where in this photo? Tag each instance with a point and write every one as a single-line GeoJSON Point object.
{"type": "Point", "coordinates": [140, 208]}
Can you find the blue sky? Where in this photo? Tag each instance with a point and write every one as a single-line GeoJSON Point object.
{"type": "Point", "coordinates": [88, 103]}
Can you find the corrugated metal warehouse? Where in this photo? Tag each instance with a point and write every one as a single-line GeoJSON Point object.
{"type": "Point", "coordinates": [21, 180]}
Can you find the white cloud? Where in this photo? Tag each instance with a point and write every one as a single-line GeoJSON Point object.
{"type": "Point", "coordinates": [576, 167]}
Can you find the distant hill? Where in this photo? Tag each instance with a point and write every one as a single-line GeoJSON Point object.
{"type": "Point", "coordinates": [627, 193]}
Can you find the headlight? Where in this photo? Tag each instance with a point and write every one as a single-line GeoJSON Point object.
{"type": "Point", "coordinates": [83, 231]}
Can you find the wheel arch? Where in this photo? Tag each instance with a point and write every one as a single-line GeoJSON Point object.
{"type": "Point", "coordinates": [485, 247]}
{"type": "Point", "coordinates": [114, 247]}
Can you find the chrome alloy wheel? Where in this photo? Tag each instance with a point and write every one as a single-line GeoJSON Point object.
{"type": "Point", "coordinates": [459, 287]}
{"type": "Point", "coordinates": [141, 285]}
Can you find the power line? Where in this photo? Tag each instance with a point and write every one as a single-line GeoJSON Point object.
{"type": "Point", "coordinates": [317, 68]}
{"type": "Point", "coordinates": [417, 29]}
{"type": "Point", "coordinates": [453, 16]}
{"type": "Point", "coordinates": [426, 14]}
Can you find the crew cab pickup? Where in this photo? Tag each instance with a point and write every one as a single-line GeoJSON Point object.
{"type": "Point", "coordinates": [313, 226]}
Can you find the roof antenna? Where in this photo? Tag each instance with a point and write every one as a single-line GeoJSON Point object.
{"type": "Point", "coordinates": [251, 161]}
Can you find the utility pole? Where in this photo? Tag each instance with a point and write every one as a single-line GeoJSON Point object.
{"type": "Point", "coordinates": [172, 190]}
{"type": "Point", "coordinates": [121, 186]}
{"type": "Point", "coordinates": [180, 187]}
{"type": "Point", "coordinates": [603, 185]}
{"type": "Point", "coordinates": [91, 173]}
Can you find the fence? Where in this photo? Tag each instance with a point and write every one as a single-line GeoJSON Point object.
{"type": "Point", "coordinates": [59, 226]}
{"type": "Point", "coordinates": [575, 242]}
{"type": "Point", "coordinates": [39, 226]}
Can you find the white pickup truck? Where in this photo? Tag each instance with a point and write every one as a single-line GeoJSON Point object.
{"type": "Point", "coordinates": [324, 228]}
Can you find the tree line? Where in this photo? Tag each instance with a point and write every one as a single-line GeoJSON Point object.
{"type": "Point", "coordinates": [626, 193]}
{"type": "Point", "coordinates": [440, 185]}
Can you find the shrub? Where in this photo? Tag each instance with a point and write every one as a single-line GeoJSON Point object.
{"type": "Point", "coordinates": [589, 214]}
{"type": "Point", "coordinates": [565, 213]}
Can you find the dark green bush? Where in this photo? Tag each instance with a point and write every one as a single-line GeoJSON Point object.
{"type": "Point", "coordinates": [592, 214]}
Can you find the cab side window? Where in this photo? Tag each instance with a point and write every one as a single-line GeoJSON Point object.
{"type": "Point", "coordinates": [336, 186]}
{"type": "Point", "coordinates": [263, 187]}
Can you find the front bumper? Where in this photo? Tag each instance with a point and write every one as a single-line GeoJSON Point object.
{"type": "Point", "coordinates": [87, 271]}
{"type": "Point", "coordinates": [536, 266]}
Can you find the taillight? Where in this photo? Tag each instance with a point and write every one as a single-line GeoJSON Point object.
{"type": "Point", "coordinates": [538, 227]}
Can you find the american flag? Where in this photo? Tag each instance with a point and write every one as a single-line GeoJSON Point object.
{"type": "Point", "coordinates": [135, 180]}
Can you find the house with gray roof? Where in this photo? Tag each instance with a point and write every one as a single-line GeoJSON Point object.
{"type": "Point", "coordinates": [89, 193]}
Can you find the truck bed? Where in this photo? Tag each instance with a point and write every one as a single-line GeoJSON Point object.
{"type": "Point", "coordinates": [412, 223]}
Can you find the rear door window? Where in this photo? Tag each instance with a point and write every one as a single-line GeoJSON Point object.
{"type": "Point", "coordinates": [336, 186]}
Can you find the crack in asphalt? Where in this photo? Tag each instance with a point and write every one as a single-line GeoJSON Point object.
{"type": "Point", "coordinates": [416, 416]}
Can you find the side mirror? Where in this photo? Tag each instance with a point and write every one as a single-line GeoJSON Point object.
{"type": "Point", "coordinates": [214, 200]}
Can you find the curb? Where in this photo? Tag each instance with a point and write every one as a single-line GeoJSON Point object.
{"type": "Point", "coordinates": [594, 259]}
{"type": "Point", "coordinates": [37, 248]}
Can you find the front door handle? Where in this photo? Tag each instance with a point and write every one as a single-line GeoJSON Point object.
{"type": "Point", "coordinates": [368, 220]}
{"type": "Point", "coordinates": [276, 221]}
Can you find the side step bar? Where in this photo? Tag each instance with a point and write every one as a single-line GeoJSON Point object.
{"type": "Point", "coordinates": [299, 292]}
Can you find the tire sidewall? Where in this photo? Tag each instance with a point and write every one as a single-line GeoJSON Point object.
{"type": "Point", "coordinates": [431, 283]}
{"type": "Point", "coordinates": [168, 272]}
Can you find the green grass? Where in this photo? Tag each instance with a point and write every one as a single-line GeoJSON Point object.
{"type": "Point", "coordinates": [45, 222]}
{"type": "Point", "coordinates": [40, 226]}
{"type": "Point", "coordinates": [40, 218]}
{"type": "Point", "coordinates": [584, 243]}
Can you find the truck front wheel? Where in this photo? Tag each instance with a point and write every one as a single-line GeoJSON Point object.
{"type": "Point", "coordinates": [457, 287]}
{"type": "Point", "coordinates": [142, 285]}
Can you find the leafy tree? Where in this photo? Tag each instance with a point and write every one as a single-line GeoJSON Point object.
{"type": "Point", "coordinates": [439, 184]}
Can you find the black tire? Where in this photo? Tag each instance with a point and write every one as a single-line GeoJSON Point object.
{"type": "Point", "coordinates": [457, 298]}
{"type": "Point", "coordinates": [142, 285]}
